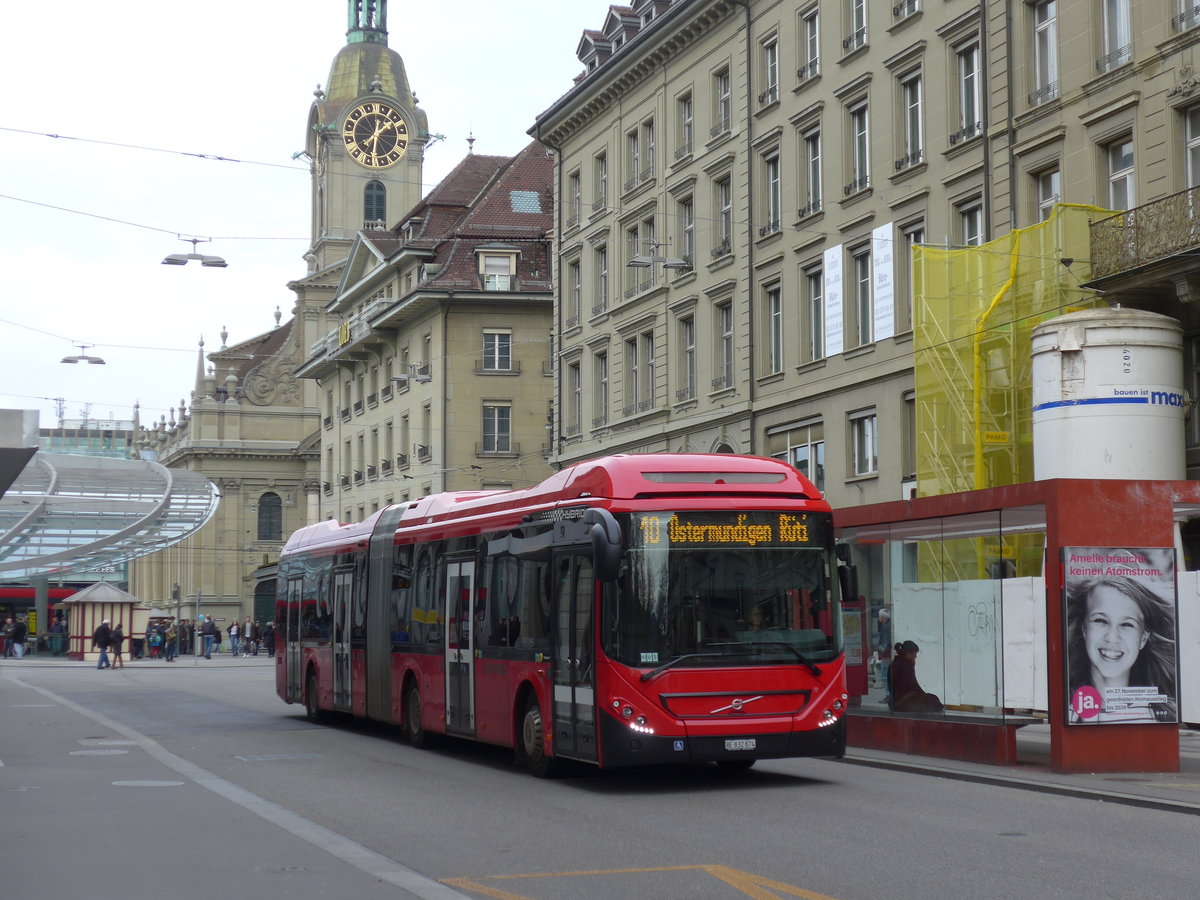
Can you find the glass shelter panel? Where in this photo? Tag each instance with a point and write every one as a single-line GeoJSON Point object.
{"type": "Point", "coordinates": [968, 593]}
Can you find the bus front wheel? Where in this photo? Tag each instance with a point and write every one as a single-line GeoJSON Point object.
{"type": "Point", "coordinates": [533, 743]}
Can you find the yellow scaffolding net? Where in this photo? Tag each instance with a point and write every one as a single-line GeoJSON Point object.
{"type": "Point", "coordinates": [974, 309]}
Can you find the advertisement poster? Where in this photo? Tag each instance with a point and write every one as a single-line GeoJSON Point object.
{"type": "Point", "coordinates": [1121, 608]}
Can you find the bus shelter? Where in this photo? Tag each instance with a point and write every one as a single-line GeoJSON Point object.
{"type": "Point", "coordinates": [998, 588]}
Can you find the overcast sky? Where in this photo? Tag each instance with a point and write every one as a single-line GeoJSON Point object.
{"type": "Point", "coordinates": [229, 78]}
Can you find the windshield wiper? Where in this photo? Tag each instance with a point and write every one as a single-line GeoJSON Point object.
{"type": "Point", "coordinates": [804, 661]}
{"type": "Point", "coordinates": [674, 661]}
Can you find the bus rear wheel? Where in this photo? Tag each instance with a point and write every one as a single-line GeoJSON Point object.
{"type": "Point", "coordinates": [417, 736]}
{"type": "Point", "coordinates": [311, 709]}
{"type": "Point", "coordinates": [533, 741]}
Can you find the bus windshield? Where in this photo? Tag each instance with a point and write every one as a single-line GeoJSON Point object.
{"type": "Point", "coordinates": [723, 588]}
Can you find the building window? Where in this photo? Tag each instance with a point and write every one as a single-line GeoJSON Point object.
{"type": "Point", "coordinates": [633, 374]}
{"type": "Point", "coordinates": [633, 245]}
{"type": "Point", "coordinates": [857, 21]}
{"type": "Point", "coordinates": [497, 351]}
{"type": "Point", "coordinates": [724, 348]}
{"type": "Point", "coordinates": [498, 274]}
{"type": "Point", "coordinates": [687, 230]}
{"type": "Point", "coordinates": [774, 195]}
{"type": "Point", "coordinates": [724, 202]}
{"type": "Point", "coordinates": [722, 102]}
{"type": "Point", "coordinates": [687, 359]}
{"type": "Point", "coordinates": [1189, 15]}
{"type": "Point", "coordinates": [807, 452]}
{"type": "Point", "coordinates": [911, 236]}
{"type": "Point", "coordinates": [864, 306]}
{"type": "Point", "coordinates": [1118, 41]}
{"type": "Point", "coordinates": [770, 57]}
{"type": "Point", "coordinates": [908, 443]}
{"type": "Point", "coordinates": [646, 398]}
{"type": "Point", "coordinates": [969, 118]}
{"type": "Point", "coordinates": [574, 399]}
{"type": "Point", "coordinates": [1191, 120]}
{"type": "Point", "coordinates": [970, 223]}
{"type": "Point", "coordinates": [575, 283]}
{"type": "Point", "coordinates": [811, 176]}
{"type": "Point", "coordinates": [600, 177]}
{"type": "Point", "coordinates": [1121, 193]}
{"type": "Point", "coordinates": [864, 443]}
{"type": "Point", "coordinates": [633, 157]}
{"type": "Point", "coordinates": [574, 198]}
{"type": "Point", "coordinates": [1045, 52]}
{"type": "Point", "coordinates": [810, 46]}
{"type": "Point", "coordinates": [270, 517]}
{"type": "Point", "coordinates": [601, 259]}
{"type": "Point", "coordinates": [497, 428]}
{"type": "Point", "coordinates": [647, 151]}
{"type": "Point", "coordinates": [860, 149]}
{"type": "Point", "coordinates": [1049, 191]}
{"type": "Point", "coordinates": [814, 318]}
{"type": "Point", "coordinates": [773, 316]}
{"type": "Point", "coordinates": [375, 203]}
{"type": "Point", "coordinates": [913, 128]}
{"type": "Point", "coordinates": [685, 135]}
{"type": "Point", "coordinates": [600, 387]}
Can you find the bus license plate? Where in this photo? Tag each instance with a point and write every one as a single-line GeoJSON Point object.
{"type": "Point", "coordinates": [741, 744]}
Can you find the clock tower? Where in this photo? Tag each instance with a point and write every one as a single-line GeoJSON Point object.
{"type": "Point", "coordinates": [366, 139]}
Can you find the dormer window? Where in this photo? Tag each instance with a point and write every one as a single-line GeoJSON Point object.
{"type": "Point", "coordinates": [498, 267]}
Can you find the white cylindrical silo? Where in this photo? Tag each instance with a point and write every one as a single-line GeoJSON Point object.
{"type": "Point", "coordinates": [1108, 396]}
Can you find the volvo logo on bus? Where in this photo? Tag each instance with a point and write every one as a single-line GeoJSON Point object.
{"type": "Point", "coordinates": [736, 705]}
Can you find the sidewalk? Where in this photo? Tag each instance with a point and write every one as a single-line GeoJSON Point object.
{"type": "Point", "coordinates": [1173, 791]}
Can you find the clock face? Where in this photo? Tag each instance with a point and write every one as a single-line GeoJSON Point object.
{"type": "Point", "coordinates": [375, 135]}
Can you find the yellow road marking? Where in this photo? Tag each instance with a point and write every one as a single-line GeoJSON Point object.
{"type": "Point", "coordinates": [749, 884]}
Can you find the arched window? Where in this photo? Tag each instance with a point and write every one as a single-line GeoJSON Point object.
{"type": "Point", "coordinates": [270, 517]}
{"type": "Point", "coordinates": [374, 202]}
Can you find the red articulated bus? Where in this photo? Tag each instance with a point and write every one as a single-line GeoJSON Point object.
{"type": "Point", "coordinates": [631, 610]}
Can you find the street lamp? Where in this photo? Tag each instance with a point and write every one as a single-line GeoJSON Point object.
{"type": "Point", "coordinates": [181, 259]}
{"type": "Point", "coordinates": [645, 261]}
{"type": "Point", "coordinates": [83, 357]}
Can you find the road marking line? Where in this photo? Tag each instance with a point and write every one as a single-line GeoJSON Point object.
{"type": "Point", "coordinates": [755, 886]}
{"type": "Point", "coordinates": [362, 858]}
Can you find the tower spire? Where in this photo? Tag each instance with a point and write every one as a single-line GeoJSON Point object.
{"type": "Point", "coordinates": [368, 22]}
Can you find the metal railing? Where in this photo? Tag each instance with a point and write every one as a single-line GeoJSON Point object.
{"type": "Point", "coordinates": [1150, 232]}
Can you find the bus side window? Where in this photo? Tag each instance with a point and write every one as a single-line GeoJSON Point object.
{"type": "Point", "coordinates": [400, 601]}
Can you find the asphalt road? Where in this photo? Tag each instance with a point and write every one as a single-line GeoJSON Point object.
{"type": "Point", "coordinates": [194, 780]}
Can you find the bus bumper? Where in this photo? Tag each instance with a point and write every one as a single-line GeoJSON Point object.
{"type": "Point", "coordinates": [621, 746]}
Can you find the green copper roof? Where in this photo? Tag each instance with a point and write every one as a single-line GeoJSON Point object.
{"type": "Point", "coordinates": [368, 22]}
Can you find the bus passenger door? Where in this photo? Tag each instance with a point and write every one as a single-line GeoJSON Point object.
{"type": "Point", "coordinates": [574, 658]}
{"type": "Point", "coordinates": [460, 648]}
{"type": "Point", "coordinates": [289, 632]}
{"type": "Point", "coordinates": [343, 583]}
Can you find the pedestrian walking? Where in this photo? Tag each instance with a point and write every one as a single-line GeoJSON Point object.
{"type": "Point", "coordinates": [100, 640]}
{"type": "Point", "coordinates": [268, 639]}
{"type": "Point", "coordinates": [234, 631]}
{"type": "Point", "coordinates": [116, 643]}
{"type": "Point", "coordinates": [172, 639]}
{"type": "Point", "coordinates": [209, 632]}
{"type": "Point", "coordinates": [17, 637]}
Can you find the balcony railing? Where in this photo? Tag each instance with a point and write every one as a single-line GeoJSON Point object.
{"type": "Point", "coordinates": [1044, 93]}
{"type": "Point", "coordinates": [401, 460]}
{"type": "Point", "coordinates": [600, 421]}
{"type": "Point", "coordinates": [913, 159]}
{"type": "Point", "coordinates": [1187, 19]}
{"type": "Point", "coordinates": [683, 150]}
{"type": "Point", "coordinates": [810, 69]}
{"type": "Point", "coordinates": [423, 451]}
{"type": "Point", "coordinates": [811, 210]}
{"type": "Point", "coordinates": [905, 9]}
{"type": "Point", "coordinates": [721, 382]}
{"type": "Point", "coordinates": [855, 40]}
{"type": "Point", "coordinates": [968, 131]}
{"type": "Point", "coordinates": [858, 184]}
{"type": "Point", "coordinates": [1147, 233]}
{"type": "Point", "coordinates": [722, 127]}
{"type": "Point", "coordinates": [1115, 59]}
{"type": "Point", "coordinates": [770, 95]}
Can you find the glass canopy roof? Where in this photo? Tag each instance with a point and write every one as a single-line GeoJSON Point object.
{"type": "Point", "coordinates": [67, 513]}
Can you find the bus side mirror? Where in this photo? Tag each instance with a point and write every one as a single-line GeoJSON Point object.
{"type": "Point", "coordinates": [606, 542]}
{"type": "Point", "coordinates": [848, 578]}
